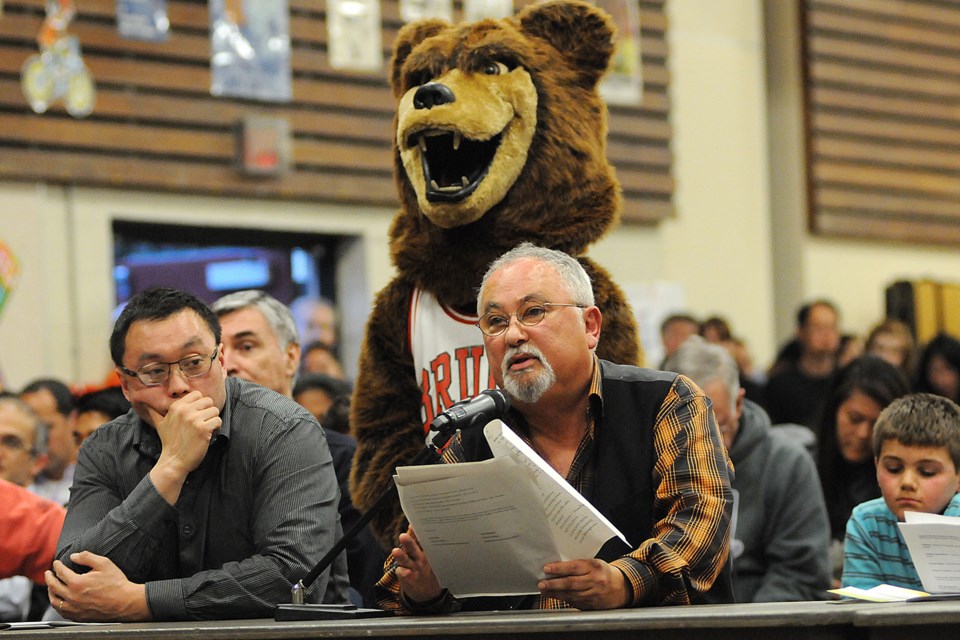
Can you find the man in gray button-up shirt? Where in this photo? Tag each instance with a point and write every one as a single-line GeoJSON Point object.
{"type": "Point", "coordinates": [208, 500]}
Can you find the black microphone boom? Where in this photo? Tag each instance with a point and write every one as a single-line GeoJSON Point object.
{"type": "Point", "coordinates": [487, 406]}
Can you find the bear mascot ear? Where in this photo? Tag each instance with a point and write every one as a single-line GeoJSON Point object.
{"type": "Point", "coordinates": [409, 36]}
{"type": "Point", "coordinates": [580, 32]}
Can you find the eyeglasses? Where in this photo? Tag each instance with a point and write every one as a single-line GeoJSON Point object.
{"type": "Point", "coordinates": [157, 373]}
{"type": "Point", "coordinates": [493, 323]}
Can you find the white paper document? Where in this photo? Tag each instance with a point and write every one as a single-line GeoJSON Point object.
{"type": "Point", "coordinates": [879, 593]}
{"type": "Point", "coordinates": [934, 543]}
{"type": "Point", "coordinates": [489, 527]}
{"type": "Point", "coordinates": [579, 530]}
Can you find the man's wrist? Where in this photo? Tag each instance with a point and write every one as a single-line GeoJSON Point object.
{"type": "Point", "coordinates": [172, 465]}
{"type": "Point", "coordinates": [139, 608]}
{"type": "Point", "coordinates": [627, 587]}
{"type": "Point", "coordinates": [629, 568]}
{"type": "Point", "coordinates": [445, 602]}
{"type": "Point", "coordinates": [165, 599]}
{"type": "Point", "coordinates": [168, 480]}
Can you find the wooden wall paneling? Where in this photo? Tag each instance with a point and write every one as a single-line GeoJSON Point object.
{"type": "Point", "coordinates": [639, 137]}
{"type": "Point", "coordinates": [898, 10]}
{"type": "Point", "coordinates": [137, 172]}
{"type": "Point", "coordinates": [889, 153]}
{"type": "Point", "coordinates": [154, 106]}
{"type": "Point", "coordinates": [156, 126]}
{"type": "Point", "coordinates": [882, 87]}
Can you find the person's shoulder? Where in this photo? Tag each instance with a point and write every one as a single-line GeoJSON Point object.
{"type": "Point", "coordinates": [121, 429]}
{"type": "Point", "coordinates": [875, 509]}
{"type": "Point", "coordinates": [794, 440]}
{"type": "Point", "coordinates": [13, 496]}
{"type": "Point", "coordinates": [953, 507]}
{"type": "Point", "coordinates": [270, 407]}
{"type": "Point", "coordinates": [622, 381]}
{"type": "Point", "coordinates": [255, 396]}
{"type": "Point", "coordinates": [782, 448]}
{"type": "Point", "coordinates": [632, 373]}
{"type": "Point", "coordinates": [337, 440]}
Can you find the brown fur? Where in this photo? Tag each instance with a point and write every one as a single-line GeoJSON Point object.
{"type": "Point", "coordinates": [565, 196]}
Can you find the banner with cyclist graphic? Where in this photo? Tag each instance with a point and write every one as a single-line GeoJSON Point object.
{"type": "Point", "coordinates": [58, 71]}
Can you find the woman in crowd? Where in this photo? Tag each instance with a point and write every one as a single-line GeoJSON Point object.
{"type": "Point", "coordinates": [939, 368]}
{"type": "Point", "coordinates": [858, 393]}
{"type": "Point", "coordinates": [893, 341]}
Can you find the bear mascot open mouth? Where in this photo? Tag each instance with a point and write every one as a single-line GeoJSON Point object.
{"type": "Point", "coordinates": [459, 158]}
{"type": "Point", "coordinates": [500, 138]}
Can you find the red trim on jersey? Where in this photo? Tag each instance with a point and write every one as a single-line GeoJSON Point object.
{"type": "Point", "coordinates": [455, 315]}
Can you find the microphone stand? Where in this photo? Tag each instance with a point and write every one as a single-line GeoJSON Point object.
{"type": "Point", "coordinates": [299, 609]}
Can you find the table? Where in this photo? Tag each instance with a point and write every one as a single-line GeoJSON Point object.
{"type": "Point", "coordinates": [780, 621]}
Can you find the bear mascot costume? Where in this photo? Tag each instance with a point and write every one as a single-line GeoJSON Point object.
{"type": "Point", "coordinates": [500, 139]}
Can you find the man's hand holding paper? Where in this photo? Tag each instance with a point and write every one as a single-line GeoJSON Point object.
{"type": "Point", "coordinates": [417, 578]}
{"type": "Point", "coordinates": [585, 584]}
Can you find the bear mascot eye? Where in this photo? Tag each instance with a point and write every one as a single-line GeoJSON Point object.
{"type": "Point", "coordinates": [495, 68]}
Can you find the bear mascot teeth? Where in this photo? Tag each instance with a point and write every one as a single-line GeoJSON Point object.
{"type": "Point", "coordinates": [500, 139]}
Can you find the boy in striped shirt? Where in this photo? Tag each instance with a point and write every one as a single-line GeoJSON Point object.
{"type": "Point", "coordinates": [916, 444]}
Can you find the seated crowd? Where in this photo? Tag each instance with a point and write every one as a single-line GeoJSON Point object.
{"type": "Point", "coordinates": [789, 475]}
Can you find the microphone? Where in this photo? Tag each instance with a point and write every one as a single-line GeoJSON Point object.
{"type": "Point", "coordinates": [490, 404]}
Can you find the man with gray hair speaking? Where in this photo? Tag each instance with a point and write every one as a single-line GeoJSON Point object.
{"type": "Point", "coordinates": [641, 445]}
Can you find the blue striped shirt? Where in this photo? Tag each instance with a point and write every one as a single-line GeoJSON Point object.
{"type": "Point", "coordinates": [875, 552]}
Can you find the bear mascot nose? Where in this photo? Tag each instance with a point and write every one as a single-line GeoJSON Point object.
{"type": "Point", "coordinates": [431, 95]}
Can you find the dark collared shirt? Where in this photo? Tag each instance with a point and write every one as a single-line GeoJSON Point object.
{"type": "Point", "coordinates": [683, 538]}
{"type": "Point", "coordinates": [252, 519]}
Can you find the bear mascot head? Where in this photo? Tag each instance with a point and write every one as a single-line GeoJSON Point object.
{"type": "Point", "coordinates": [500, 139]}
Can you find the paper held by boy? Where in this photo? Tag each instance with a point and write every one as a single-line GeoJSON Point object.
{"type": "Point", "coordinates": [934, 544]}
{"type": "Point", "coordinates": [489, 527]}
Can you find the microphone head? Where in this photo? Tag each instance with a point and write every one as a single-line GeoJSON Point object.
{"type": "Point", "coordinates": [500, 400]}
{"type": "Point", "coordinates": [475, 412]}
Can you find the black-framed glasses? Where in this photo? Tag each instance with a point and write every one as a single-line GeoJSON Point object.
{"type": "Point", "coordinates": [493, 323]}
{"type": "Point", "coordinates": [158, 372]}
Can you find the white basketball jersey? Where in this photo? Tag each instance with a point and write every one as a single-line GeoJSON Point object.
{"type": "Point", "coordinates": [447, 350]}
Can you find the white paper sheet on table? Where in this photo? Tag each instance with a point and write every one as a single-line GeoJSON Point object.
{"type": "Point", "coordinates": [880, 593]}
